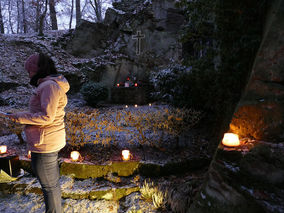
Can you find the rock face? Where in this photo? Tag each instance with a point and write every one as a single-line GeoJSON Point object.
{"type": "Point", "coordinates": [260, 112]}
{"type": "Point", "coordinates": [250, 177]}
{"type": "Point", "coordinates": [156, 23]}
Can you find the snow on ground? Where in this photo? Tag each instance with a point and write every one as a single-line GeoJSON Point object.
{"type": "Point", "coordinates": [33, 203]}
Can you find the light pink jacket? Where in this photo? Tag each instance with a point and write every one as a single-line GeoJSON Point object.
{"type": "Point", "coordinates": [45, 129]}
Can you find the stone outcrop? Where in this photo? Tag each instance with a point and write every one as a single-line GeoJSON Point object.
{"type": "Point", "coordinates": [158, 22]}
{"type": "Point", "coordinates": [250, 177]}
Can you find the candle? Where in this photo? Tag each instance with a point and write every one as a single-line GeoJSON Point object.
{"type": "Point", "coordinates": [231, 139]}
{"type": "Point", "coordinates": [75, 155]}
{"type": "Point", "coordinates": [135, 105]}
{"type": "Point", "coordinates": [126, 106]}
{"type": "Point", "coordinates": [117, 85]}
{"type": "Point", "coordinates": [3, 149]}
{"type": "Point", "coordinates": [29, 154]}
{"type": "Point", "coordinates": [150, 104]}
{"type": "Point", "coordinates": [125, 154]}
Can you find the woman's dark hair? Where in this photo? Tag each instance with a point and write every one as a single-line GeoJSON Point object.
{"type": "Point", "coordinates": [46, 68]}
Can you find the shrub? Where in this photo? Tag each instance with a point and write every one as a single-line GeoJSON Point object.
{"type": "Point", "coordinates": [94, 92]}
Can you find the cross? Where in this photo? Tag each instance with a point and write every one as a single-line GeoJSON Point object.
{"type": "Point", "coordinates": [138, 37]}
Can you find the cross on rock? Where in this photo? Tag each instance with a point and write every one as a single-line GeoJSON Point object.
{"type": "Point", "coordinates": [138, 37]}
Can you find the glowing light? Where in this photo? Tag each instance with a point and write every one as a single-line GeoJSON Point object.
{"type": "Point", "coordinates": [117, 85]}
{"type": "Point", "coordinates": [75, 155]}
{"type": "Point", "coordinates": [136, 84]}
{"type": "Point", "coordinates": [29, 154]}
{"type": "Point", "coordinates": [125, 154]}
{"type": "Point", "coordinates": [150, 104]}
{"type": "Point", "coordinates": [135, 105]}
{"type": "Point", "coordinates": [3, 149]}
{"type": "Point", "coordinates": [231, 139]}
{"type": "Point", "coordinates": [126, 106]}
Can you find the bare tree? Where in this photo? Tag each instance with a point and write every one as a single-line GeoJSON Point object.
{"type": "Point", "coordinates": [1, 20]}
{"type": "Point", "coordinates": [71, 14]}
{"type": "Point", "coordinates": [24, 21]}
{"type": "Point", "coordinates": [78, 12]}
{"type": "Point", "coordinates": [53, 15]}
{"type": "Point", "coordinates": [41, 19]}
{"type": "Point", "coordinates": [97, 6]}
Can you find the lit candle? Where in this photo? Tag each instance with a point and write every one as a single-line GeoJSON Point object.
{"type": "Point", "coordinates": [135, 105]}
{"type": "Point", "coordinates": [117, 85]}
{"type": "Point", "coordinates": [3, 149]}
{"type": "Point", "coordinates": [29, 154]}
{"type": "Point", "coordinates": [125, 154]}
{"type": "Point", "coordinates": [136, 84]}
{"type": "Point", "coordinates": [231, 139]}
{"type": "Point", "coordinates": [150, 104]}
{"type": "Point", "coordinates": [75, 155]}
{"type": "Point", "coordinates": [126, 106]}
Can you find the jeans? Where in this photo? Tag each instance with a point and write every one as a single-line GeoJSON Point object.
{"type": "Point", "coordinates": [46, 168]}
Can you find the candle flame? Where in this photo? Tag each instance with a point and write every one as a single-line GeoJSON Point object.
{"type": "Point", "coordinates": [135, 105]}
{"type": "Point", "coordinates": [75, 155]}
{"type": "Point", "coordinates": [231, 139]}
{"type": "Point", "coordinates": [125, 154]}
{"type": "Point", "coordinates": [3, 149]}
{"type": "Point", "coordinates": [29, 154]}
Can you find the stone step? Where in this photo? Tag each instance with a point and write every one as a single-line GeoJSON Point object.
{"type": "Point", "coordinates": [91, 189]}
{"type": "Point", "coordinates": [85, 170]}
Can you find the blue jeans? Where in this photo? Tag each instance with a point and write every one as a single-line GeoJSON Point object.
{"type": "Point", "coordinates": [46, 168]}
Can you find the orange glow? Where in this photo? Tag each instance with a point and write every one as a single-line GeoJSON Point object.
{"type": "Point", "coordinates": [117, 85]}
{"type": "Point", "coordinates": [125, 154]}
{"type": "Point", "coordinates": [75, 155]}
{"type": "Point", "coordinates": [231, 139]}
{"type": "Point", "coordinates": [150, 104]}
{"type": "Point", "coordinates": [136, 84]}
{"type": "Point", "coordinates": [3, 149]}
{"type": "Point", "coordinates": [29, 154]}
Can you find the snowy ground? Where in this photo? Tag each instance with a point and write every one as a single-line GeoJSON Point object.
{"type": "Point", "coordinates": [33, 203]}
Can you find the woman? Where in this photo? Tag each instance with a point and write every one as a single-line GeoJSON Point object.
{"type": "Point", "coordinates": [45, 130]}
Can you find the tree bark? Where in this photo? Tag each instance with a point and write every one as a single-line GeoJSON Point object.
{"type": "Point", "coordinates": [78, 12]}
{"type": "Point", "coordinates": [53, 18]}
{"type": "Point", "coordinates": [1, 20]}
{"type": "Point", "coordinates": [71, 15]}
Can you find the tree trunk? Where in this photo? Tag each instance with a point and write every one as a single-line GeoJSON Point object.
{"type": "Point", "coordinates": [19, 28]}
{"type": "Point", "coordinates": [53, 15]}
{"type": "Point", "coordinates": [1, 20]}
{"type": "Point", "coordinates": [97, 6]}
{"type": "Point", "coordinates": [78, 12]}
{"type": "Point", "coordinates": [10, 9]}
{"type": "Point", "coordinates": [41, 19]}
{"type": "Point", "coordinates": [71, 15]}
{"type": "Point", "coordinates": [37, 15]}
{"type": "Point", "coordinates": [24, 17]}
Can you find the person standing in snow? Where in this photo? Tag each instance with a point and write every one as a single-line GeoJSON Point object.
{"type": "Point", "coordinates": [45, 129]}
